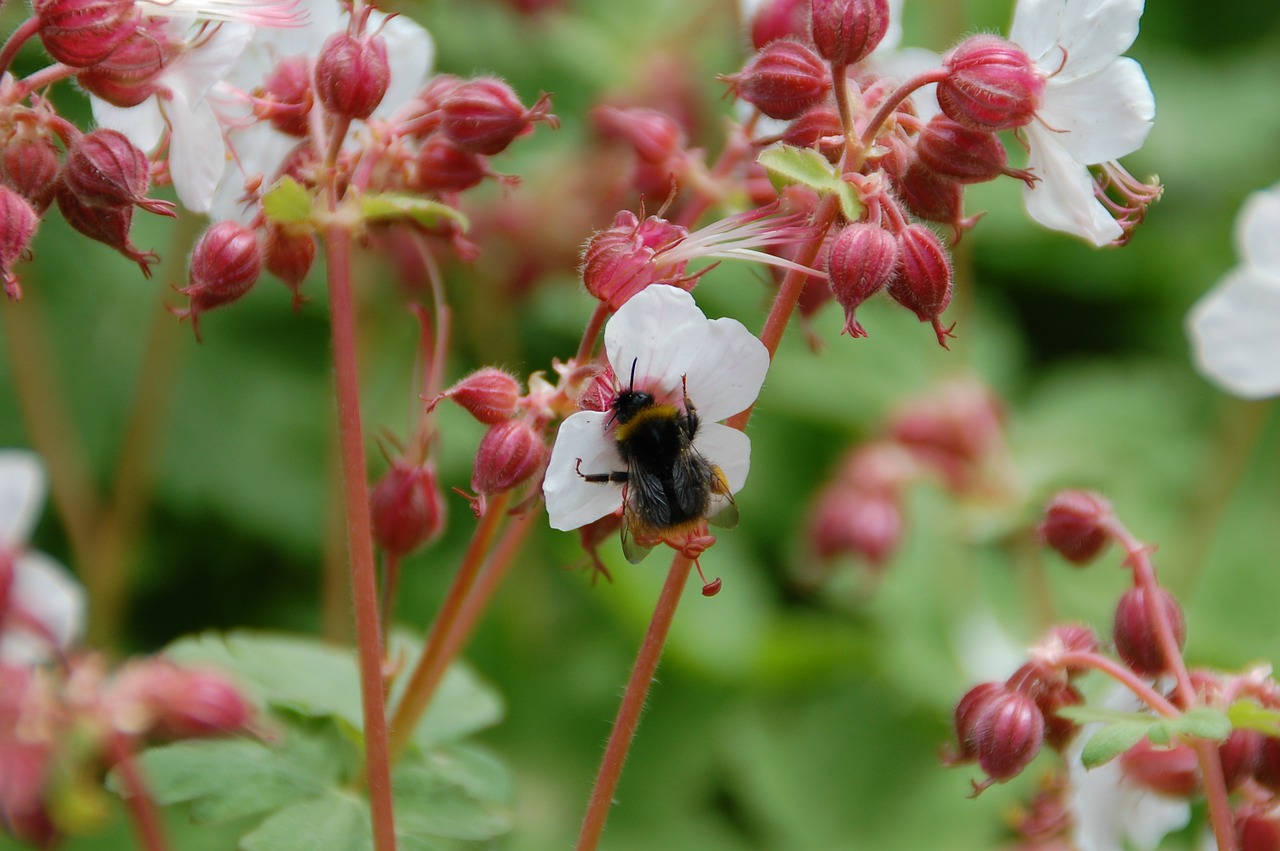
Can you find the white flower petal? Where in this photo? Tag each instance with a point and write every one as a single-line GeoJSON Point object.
{"type": "Point", "coordinates": [660, 330]}
{"type": "Point", "coordinates": [726, 374]}
{"type": "Point", "coordinates": [410, 53]}
{"type": "Point", "coordinates": [1087, 34]}
{"type": "Point", "coordinates": [43, 590]}
{"type": "Point", "coordinates": [22, 495]}
{"type": "Point", "coordinates": [727, 448]}
{"type": "Point", "coordinates": [1063, 199]}
{"type": "Point", "coordinates": [197, 152]}
{"type": "Point", "coordinates": [196, 71]}
{"type": "Point", "coordinates": [1257, 227]}
{"type": "Point", "coordinates": [143, 125]}
{"type": "Point", "coordinates": [571, 500]}
{"type": "Point", "coordinates": [1235, 334]}
{"type": "Point", "coordinates": [1102, 116]}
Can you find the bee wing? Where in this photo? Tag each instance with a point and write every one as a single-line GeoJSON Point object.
{"type": "Point", "coordinates": [690, 476]}
{"type": "Point", "coordinates": [723, 511]}
{"type": "Point", "coordinates": [646, 498]}
{"type": "Point", "coordinates": [631, 548]}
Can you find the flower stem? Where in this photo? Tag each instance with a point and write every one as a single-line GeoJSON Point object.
{"type": "Point", "coordinates": [16, 39]}
{"type": "Point", "coordinates": [592, 331]}
{"type": "Point", "coordinates": [142, 810]}
{"type": "Point", "coordinates": [364, 581]}
{"type": "Point", "coordinates": [893, 101]}
{"type": "Point", "coordinates": [624, 726]}
{"type": "Point", "coordinates": [424, 678]}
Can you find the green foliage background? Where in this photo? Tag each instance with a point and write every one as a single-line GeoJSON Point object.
{"type": "Point", "coordinates": [781, 720]}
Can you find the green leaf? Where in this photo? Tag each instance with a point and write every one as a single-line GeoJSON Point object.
{"type": "Point", "coordinates": [1203, 723]}
{"type": "Point", "coordinates": [337, 821]}
{"type": "Point", "coordinates": [1097, 715]}
{"type": "Point", "coordinates": [1161, 733]}
{"type": "Point", "coordinates": [287, 202]}
{"type": "Point", "coordinates": [472, 768]}
{"type": "Point", "coordinates": [396, 205]}
{"type": "Point", "coordinates": [1247, 715]}
{"type": "Point", "coordinates": [787, 165]}
{"type": "Point", "coordinates": [462, 705]}
{"type": "Point", "coordinates": [230, 779]}
{"type": "Point", "coordinates": [428, 806]}
{"type": "Point", "coordinates": [1113, 740]}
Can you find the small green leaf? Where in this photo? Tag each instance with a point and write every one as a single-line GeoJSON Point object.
{"type": "Point", "coordinates": [287, 202]}
{"type": "Point", "coordinates": [397, 205]}
{"type": "Point", "coordinates": [1203, 723]}
{"type": "Point", "coordinates": [337, 821]}
{"type": "Point", "coordinates": [428, 807]}
{"type": "Point", "coordinates": [1247, 715]}
{"type": "Point", "coordinates": [1161, 733]}
{"type": "Point", "coordinates": [1111, 741]}
{"type": "Point", "coordinates": [1096, 715]}
{"type": "Point", "coordinates": [787, 165]}
{"type": "Point", "coordinates": [463, 704]}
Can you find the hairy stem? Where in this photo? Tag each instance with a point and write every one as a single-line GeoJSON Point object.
{"type": "Point", "coordinates": [142, 810]}
{"type": "Point", "coordinates": [624, 727]}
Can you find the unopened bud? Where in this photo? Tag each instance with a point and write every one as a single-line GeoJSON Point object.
{"type": "Point", "coordinates": [105, 169]}
{"type": "Point", "coordinates": [1240, 753]}
{"type": "Point", "coordinates": [1136, 637]}
{"type": "Point", "coordinates": [442, 166]}
{"type": "Point", "coordinates": [863, 258]}
{"type": "Point", "coordinates": [490, 395]}
{"type": "Point", "coordinates": [783, 80]}
{"type": "Point", "coordinates": [406, 508]}
{"type": "Point", "coordinates": [992, 85]}
{"type": "Point", "coordinates": [290, 95]}
{"type": "Point", "coordinates": [202, 703]}
{"type": "Point", "coordinates": [128, 76]}
{"type": "Point", "coordinates": [967, 713]}
{"type": "Point", "coordinates": [620, 261]}
{"type": "Point", "coordinates": [29, 165]}
{"type": "Point", "coordinates": [859, 522]}
{"type": "Point", "coordinates": [846, 31]}
{"type": "Point", "coordinates": [655, 136]}
{"type": "Point", "coordinates": [510, 452]}
{"type": "Point", "coordinates": [1009, 731]}
{"type": "Point", "coordinates": [81, 33]}
{"type": "Point", "coordinates": [225, 264]}
{"type": "Point", "coordinates": [817, 127]}
{"type": "Point", "coordinates": [961, 153]}
{"type": "Point", "coordinates": [1058, 730]}
{"type": "Point", "coordinates": [288, 254]}
{"type": "Point", "coordinates": [108, 225]}
{"type": "Point", "coordinates": [1076, 524]}
{"type": "Point", "coordinates": [776, 19]}
{"type": "Point", "coordinates": [1173, 771]}
{"type": "Point", "coordinates": [923, 284]}
{"type": "Point", "coordinates": [352, 74]}
{"type": "Point", "coordinates": [484, 116]}
{"type": "Point", "coordinates": [1072, 638]}
{"type": "Point", "coordinates": [933, 197]}
{"type": "Point", "coordinates": [18, 224]}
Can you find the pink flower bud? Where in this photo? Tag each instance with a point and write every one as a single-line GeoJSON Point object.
{"type": "Point", "coordinates": [846, 31]}
{"type": "Point", "coordinates": [490, 395]}
{"type": "Point", "coordinates": [1135, 636]}
{"type": "Point", "coordinates": [1050, 690]}
{"type": "Point", "coordinates": [1072, 638]}
{"type": "Point", "coordinates": [1257, 829]}
{"type": "Point", "coordinates": [510, 452]}
{"type": "Point", "coordinates": [406, 508]}
{"type": "Point", "coordinates": [352, 74]}
{"type": "Point", "coordinates": [817, 127]}
{"type": "Point", "coordinates": [287, 89]}
{"type": "Point", "coordinates": [1008, 733]}
{"type": "Point", "coordinates": [1267, 770]}
{"type": "Point", "coordinates": [442, 166]}
{"type": "Point", "coordinates": [621, 261]}
{"type": "Point", "coordinates": [202, 703]}
{"type": "Point", "coordinates": [992, 85]}
{"type": "Point", "coordinates": [961, 153]}
{"type": "Point", "coordinates": [859, 522]}
{"type": "Point", "coordinates": [225, 264]}
{"type": "Point", "coordinates": [862, 260]}
{"type": "Point", "coordinates": [18, 224]}
{"type": "Point", "coordinates": [29, 165]}
{"type": "Point", "coordinates": [288, 254]}
{"type": "Point", "coordinates": [1076, 525]}
{"type": "Point", "coordinates": [424, 116]}
{"type": "Point", "coordinates": [1173, 771]}
{"type": "Point", "coordinates": [923, 284]}
{"type": "Point", "coordinates": [655, 136]}
{"type": "Point", "coordinates": [127, 77]}
{"type": "Point", "coordinates": [783, 80]}
{"type": "Point", "coordinates": [81, 33]}
{"type": "Point", "coordinates": [108, 225]}
{"type": "Point", "coordinates": [966, 718]}
{"type": "Point", "coordinates": [1240, 753]}
{"type": "Point", "coordinates": [934, 198]}
{"type": "Point", "coordinates": [105, 169]}
{"type": "Point", "coordinates": [484, 116]}
{"type": "Point", "coordinates": [777, 19]}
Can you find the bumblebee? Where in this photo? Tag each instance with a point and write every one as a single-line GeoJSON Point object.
{"type": "Point", "coordinates": [669, 488]}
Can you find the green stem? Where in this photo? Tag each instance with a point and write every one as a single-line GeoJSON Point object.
{"type": "Point", "coordinates": [624, 727]}
{"type": "Point", "coordinates": [364, 580]}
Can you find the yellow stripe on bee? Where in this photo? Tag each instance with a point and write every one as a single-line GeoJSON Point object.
{"type": "Point", "coordinates": [644, 415]}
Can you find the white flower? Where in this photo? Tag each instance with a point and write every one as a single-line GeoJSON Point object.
{"type": "Point", "coordinates": [1235, 327]}
{"type": "Point", "coordinates": [41, 606]}
{"type": "Point", "coordinates": [671, 344]}
{"type": "Point", "coordinates": [1097, 107]}
{"type": "Point", "coordinates": [260, 149]}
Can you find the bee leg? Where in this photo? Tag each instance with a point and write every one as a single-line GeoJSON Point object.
{"type": "Point", "coordinates": [600, 478]}
{"type": "Point", "coordinates": [690, 413]}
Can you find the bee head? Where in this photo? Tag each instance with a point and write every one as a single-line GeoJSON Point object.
{"type": "Point", "coordinates": [630, 401]}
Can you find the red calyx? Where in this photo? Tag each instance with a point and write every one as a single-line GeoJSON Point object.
{"type": "Point", "coordinates": [510, 452]}
{"type": "Point", "coordinates": [1075, 524]}
{"type": "Point", "coordinates": [18, 223]}
{"type": "Point", "coordinates": [993, 84]}
{"type": "Point", "coordinates": [924, 283]}
{"type": "Point", "coordinates": [81, 33]}
{"type": "Point", "coordinates": [783, 80]}
{"type": "Point", "coordinates": [846, 31]}
{"type": "Point", "coordinates": [406, 508]}
{"type": "Point", "coordinates": [863, 258]}
{"type": "Point", "coordinates": [484, 116]}
{"type": "Point", "coordinates": [1137, 641]}
{"type": "Point", "coordinates": [352, 74]}
{"type": "Point", "coordinates": [225, 264]}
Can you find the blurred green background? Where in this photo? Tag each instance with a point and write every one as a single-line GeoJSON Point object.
{"type": "Point", "coordinates": [782, 719]}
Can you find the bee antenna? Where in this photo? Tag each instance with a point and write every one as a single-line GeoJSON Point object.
{"type": "Point", "coordinates": [633, 374]}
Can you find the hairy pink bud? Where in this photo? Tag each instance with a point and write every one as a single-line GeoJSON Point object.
{"type": "Point", "coordinates": [846, 31]}
{"type": "Point", "coordinates": [484, 116]}
{"type": "Point", "coordinates": [783, 80]}
{"type": "Point", "coordinates": [105, 169]}
{"type": "Point", "coordinates": [1076, 525]}
{"type": "Point", "coordinates": [489, 394]}
{"type": "Point", "coordinates": [29, 165]}
{"type": "Point", "coordinates": [817, 127]}
{"type": "Point", "coordinates": [1137, 641]}
{"type": "Point", "coordinates": [862, 260]}
{"type": "Point", "coordinates": [18, 224]}
{"type": "Point", "coordinates": [992, 85]}
{"type": "Point", "coordinates": [225, 264]}
{"type": "Point", "coordinates": [1240, 753]}
{"type": "Point", "coordinates": [108, 225]}
{"type": "Point", "coordinates": [1009, 730]}
{"type": "Point", "coordinates": [352, 74]}
{"type": "Point", "coordinates": [288, 254]}
{"type": "Point", "coordinates": [1173, 771]}
{"type": "Point", "coordinates": [289, 95]}
{"type": "Point", "coordinates": [406, 508]}
{"type": "Point", "coordinates": [622, 260]}
{"type": "Point", "coordinates": [127, 77]}
{"type": "Point", "coordinates": [854, 521]}
{"type": "Point", "coordinates": [966, 718]}
{"type": "Point", "coordinates": [655, 136]}
{"type": "Point", "coordinates": [924, 283]}
{"type": "Point", "coordinates": [442, 166]}
{"type": "Point", "coordinates": [510, 452]}
{"type": "Point", "coordinates": [81, 33]}
{"type": "Point", "coordinates": [961, 153]}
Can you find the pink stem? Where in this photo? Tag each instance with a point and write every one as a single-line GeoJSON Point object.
{"type": "Point", "coordinates": [16, 39]}
{"type": "Point", "coordinates": [142, 809]}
